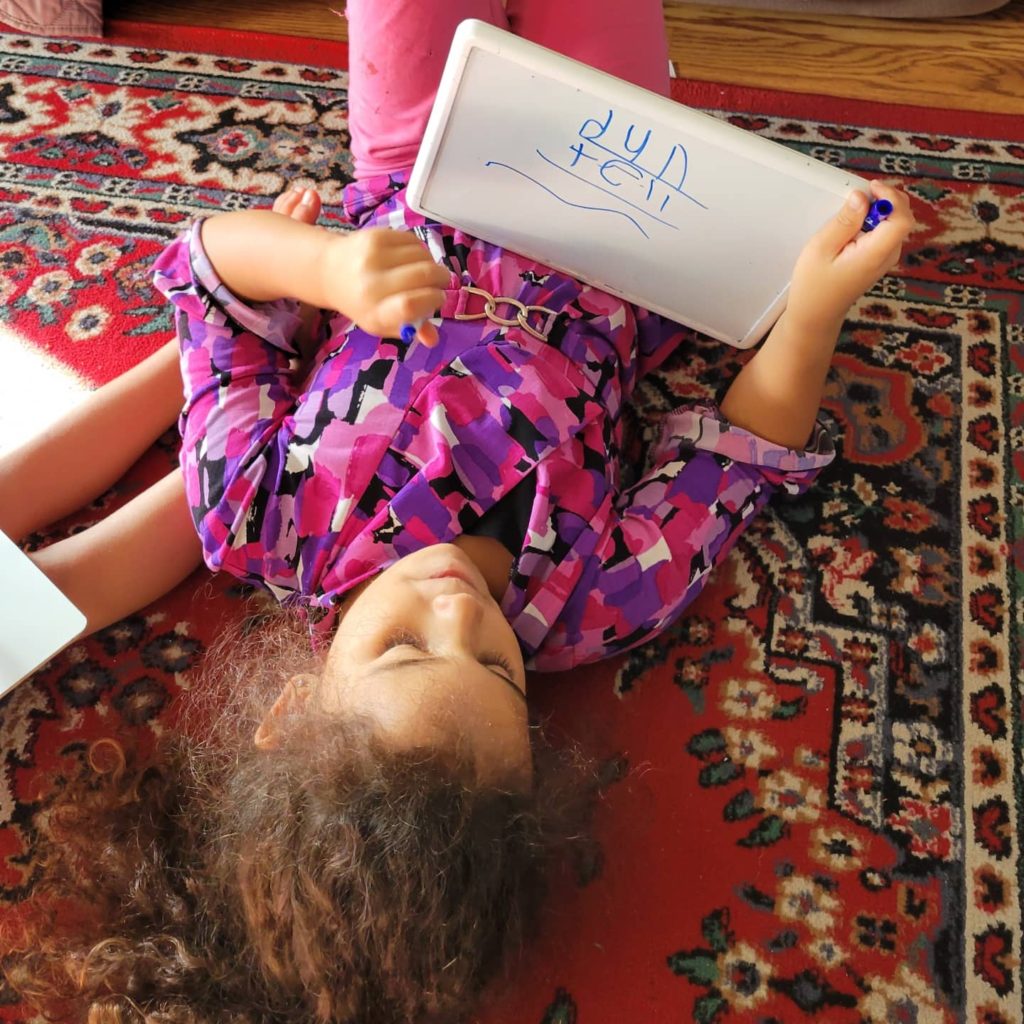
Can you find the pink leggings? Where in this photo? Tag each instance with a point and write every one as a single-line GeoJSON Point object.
{"type": "Point", "coordinates": [397, 51]}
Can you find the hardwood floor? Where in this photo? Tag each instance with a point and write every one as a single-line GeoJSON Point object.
{"type": "Point", "coordinates": [972, 63]}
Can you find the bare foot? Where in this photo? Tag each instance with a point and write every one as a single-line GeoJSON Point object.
{"type": "Point", "coordinates": [302, 204]}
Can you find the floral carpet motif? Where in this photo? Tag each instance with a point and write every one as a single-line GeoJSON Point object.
{"type": "Point", "coordinates": [817, 817]}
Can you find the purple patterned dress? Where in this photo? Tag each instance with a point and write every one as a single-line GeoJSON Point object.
{"type": "Point", "coordinates": [309, 486]}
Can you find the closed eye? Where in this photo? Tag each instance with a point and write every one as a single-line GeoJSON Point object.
{"type": "Point", "coordinates": [495, 660]}
{"type": "Point", "coordinates": [403, 638]}
{"type": "Point", "coordinates": [489, 659]}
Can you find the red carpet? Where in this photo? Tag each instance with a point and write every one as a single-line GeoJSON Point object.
{"type": "Point", "coordinates": [819, 819]}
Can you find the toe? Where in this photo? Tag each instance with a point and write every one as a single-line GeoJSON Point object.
{"type": "Point", "coordinates": [286, 202]}
{"type": "Point", "coordinates": [308, 208]}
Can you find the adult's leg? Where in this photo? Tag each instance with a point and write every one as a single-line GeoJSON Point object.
{"type": "Point", "coordinates": [397, 51]}
{"type": "Point", "coordinates": [89, 449]}
{"type": "Point", "coordinates": [135, 555]}
{"type": "Point", "coordinates": [626, 38]}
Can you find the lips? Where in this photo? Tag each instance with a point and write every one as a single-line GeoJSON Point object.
{"type": "Point", "coordinates": [450, 563]}
{"type": "Point", "coordinates": [456, 574]}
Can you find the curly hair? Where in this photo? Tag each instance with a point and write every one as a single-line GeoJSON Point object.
{"type": "Point", "coordinates": [330, 878]}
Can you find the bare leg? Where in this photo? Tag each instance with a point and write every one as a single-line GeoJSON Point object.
{"type": "Point", "coordinates": [89, 450]}
{"type": "Point", "coordinates": [397, 50]}
{"type": "Point", "coordinates": [129, 559]}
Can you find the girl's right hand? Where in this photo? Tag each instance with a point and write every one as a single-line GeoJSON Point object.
{"type": "Point", "coordinates": [383, 279]}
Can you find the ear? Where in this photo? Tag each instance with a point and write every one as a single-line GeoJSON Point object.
{"type": "Point", "coordinates": [292, 700]}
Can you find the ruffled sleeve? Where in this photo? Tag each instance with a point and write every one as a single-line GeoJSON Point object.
{"type": "Point", "coordinates": [237, 368]}
{"type": "Point", "coordinates": [658, 545]}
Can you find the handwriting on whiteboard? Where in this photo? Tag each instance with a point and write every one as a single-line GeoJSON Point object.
{"type": "Point", "coordinates": [624, 162]}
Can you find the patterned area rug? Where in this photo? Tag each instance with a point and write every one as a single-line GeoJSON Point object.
{"type": "Point", "coordinates": [818, 816]}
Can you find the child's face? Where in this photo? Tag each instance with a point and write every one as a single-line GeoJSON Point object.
{"type": "Point", "coordinates": [425, 649]}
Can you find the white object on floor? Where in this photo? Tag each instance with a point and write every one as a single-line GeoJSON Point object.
{"type": "Point", "coordinates": [36, 619]}
{"type": "Point", "coordinates": [35, 390]}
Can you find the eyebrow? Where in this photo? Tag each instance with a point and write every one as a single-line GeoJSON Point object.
{"type": "Point", "coordinates": [433, 659]}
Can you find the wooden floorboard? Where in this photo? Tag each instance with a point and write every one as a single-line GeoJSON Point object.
{"type": "Point", "coordinates": [967, 64]}
{"type": "Point", "coordinates": [974, 63]}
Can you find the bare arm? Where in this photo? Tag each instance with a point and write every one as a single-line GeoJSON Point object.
{"type": "Point", "coordinates": [778, 392]}
{"type": "Point", "coordinates": [380, 278]}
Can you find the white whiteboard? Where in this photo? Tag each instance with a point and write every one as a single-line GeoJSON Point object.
{"type": "Point", "coordinates": [633, 193]}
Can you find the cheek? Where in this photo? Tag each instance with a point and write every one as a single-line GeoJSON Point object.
{"type": "Point", "coordinates": [503, 636]}
{"type": "Point", "coordinates": [353, 645]}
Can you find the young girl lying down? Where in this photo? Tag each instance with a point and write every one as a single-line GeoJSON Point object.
{"type": "Point", "coordinates": [445, 514]}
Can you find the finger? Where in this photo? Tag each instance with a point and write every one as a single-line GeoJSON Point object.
{"type": "Point", "coordinates": [894, 259]}
{"type": "Point", "coordinates": [427, 334]}
{"type": "Point", "coordinates": [886, 238]}
{"type": "Point", "coordinates": [902, 216]}
{"type": "Point", "coordinates": [404, 277]}
{"type": "Point", "coordinates": [398, 252]}
{"type": "Point", "coordinates": [878, 251]}
{"type": "Point", "coordinates": [405, 307]}
{"type": "Point", "coordinates": [387, 247]}
{"type": "Point", "coordinates": [844, 226]}
{"type": "Point", "coordinates": [896, 196]}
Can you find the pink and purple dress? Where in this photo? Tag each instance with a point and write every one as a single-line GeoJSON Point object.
{"type": "Point", "coordinates": [309, 486]}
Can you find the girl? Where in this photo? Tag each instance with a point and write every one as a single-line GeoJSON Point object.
{"type": "Point", "coordinates": [445, 514]}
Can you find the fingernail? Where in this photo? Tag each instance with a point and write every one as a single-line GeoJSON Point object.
{"type": "Point", "coordinates": [853, 200]}
{"type": "Point", "coordinates": [307, 197]}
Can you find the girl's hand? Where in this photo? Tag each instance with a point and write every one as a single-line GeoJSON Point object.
{"type": "Point", "coordinates": [778, 391]}
{"type": "Point", "coordinates": [383, 279]}
{"type": "Point", "coordinates": [840, 263]}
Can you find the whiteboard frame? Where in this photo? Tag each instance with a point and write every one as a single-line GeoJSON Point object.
{"type": "Point", "coordinates": [474, 35]}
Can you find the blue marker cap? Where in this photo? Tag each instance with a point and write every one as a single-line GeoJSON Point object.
{"type": "Point", "coordinates": [408, 333]}
{"type": "Point", "coordinates": [880, 209]}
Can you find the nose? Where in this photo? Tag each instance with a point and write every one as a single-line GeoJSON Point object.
{"type": "Point", "coordinates": [459, 617]}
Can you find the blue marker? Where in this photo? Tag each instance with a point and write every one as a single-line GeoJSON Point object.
{"type": "Point", "coordinates": [880, 209]}
{"type": "Point", "coordinates": [408, 331]}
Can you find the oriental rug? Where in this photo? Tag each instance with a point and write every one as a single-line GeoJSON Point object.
{"type": "Point", "coordinates": [818, 812]}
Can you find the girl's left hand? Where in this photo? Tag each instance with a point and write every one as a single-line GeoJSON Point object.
{"type": "Point", "coordinates": [382, 279]}
{"type": "Point", "coordinates": [841, 261]}
{"type": "Point", "coordinates": [304, 204]}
